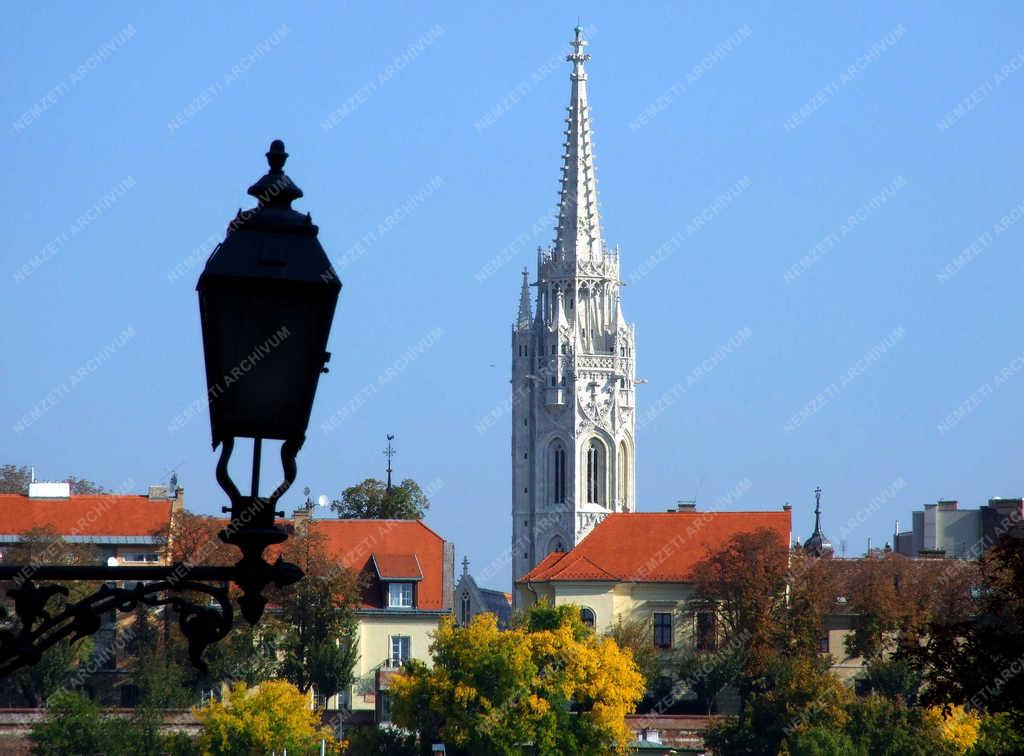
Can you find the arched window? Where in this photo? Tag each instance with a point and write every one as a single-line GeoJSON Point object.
{"type": "Point", "coordinates": [588, 617]}
{"type": "Point", "coordinates": [557, 544]}
{"type": "Point", "coordinates": [623, 475]}
{"type": "Point", "coordinates": [595, 472]}
{"type": "Point", "coordinates": [558, 473]}
{"type": "Point", "coordinates": [464, 609]}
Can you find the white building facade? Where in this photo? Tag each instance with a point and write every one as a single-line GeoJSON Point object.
{"type": "Point", "coordinates": [573, 367]}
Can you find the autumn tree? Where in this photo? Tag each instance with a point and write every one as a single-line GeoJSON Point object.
{"type": "Point", "coordinates": [371, 499]}
{"type": "Point", "coordinates": [548, 684]}
{"type": "Point", "coordinates": [975, 657]}
{"type": "Point", "coordinates": [194, 540]}
{"type": "Point", "coordinates": [15, 479]}
{"type": "Point", "coordinates": [272, 718]}
{"type": "Point", "coordinates": [744, 583]}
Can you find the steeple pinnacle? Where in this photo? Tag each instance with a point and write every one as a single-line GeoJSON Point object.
{"type": "Point", "coordinates": [523, 320]}
{"type": "Point", "coordinates": [579, 229]}
{"type": "Point", "coordinates": [817, 545]}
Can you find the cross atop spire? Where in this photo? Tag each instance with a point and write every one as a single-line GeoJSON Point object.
{"type": "Point", "coordinates": [817, 544]}
{"type": "Point", "coordinates": [579, 228]}
{"type": "Point", "coordinates": [389, 453]}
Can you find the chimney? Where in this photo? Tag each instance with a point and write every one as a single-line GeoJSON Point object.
{"type": "Point", "coordinates": [787, 507]}
{"type": "Point", "coordinates": [157, 492]}
{"type": "Point", "coordinates": [686, 506]}
{"type": "Point", "coordinates": [178, 499]}
{"type": "Point", "coordinates": [300, 517]}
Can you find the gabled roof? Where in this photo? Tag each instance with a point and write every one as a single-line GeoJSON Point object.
{"type": "Point", "coordinates": [397, 566]}
{"type": "Point", "coordinates": [652, 546]}
{"type": "Point", "coordinates": [392, 546]}
{"type": "Point", "coordinates": [86, 516]}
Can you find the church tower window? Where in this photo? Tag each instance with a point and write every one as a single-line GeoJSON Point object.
{"type": "Point", "coordinates": [623, 475]}
{"type": "Point", "coordinates": [558, 473]}
{"type": "Point", "coordinates": [595, 471]}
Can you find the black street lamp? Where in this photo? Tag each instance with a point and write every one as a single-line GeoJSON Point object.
{"type": "Point", "coordinates": [266, 302]}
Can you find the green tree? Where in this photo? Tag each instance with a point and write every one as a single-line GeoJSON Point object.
{"type": "Point", "coordinates": [276, 717]}
{"type": "Point", "coordinates": [372, 500]}
{"type": "Point", "coordinates": [549, 685]}
{"type": "Point", "coordinates": [250, 654]}
{"type": "Point", "coordinates": [320, 630]}
{"type": "Point", "coordinates": [708, 673]}
{"type": "Point", "coordinates": [158, 664]}
{"type": "Point", "coordinates": [634, 635]}
{"type": "Point", "coordinates": [72, 725]}
{"type": "Point", "coordinates": [76, 725]}
{"type": "Point", "coordinates": [791, 696]}
{"type": "Point", "coordinates": [1000, 734]}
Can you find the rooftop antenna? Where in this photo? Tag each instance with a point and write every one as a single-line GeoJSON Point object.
{"type": "Point", "coordinates": [389, 453]}
{"type": "Point", "coordinates": [696, 493]}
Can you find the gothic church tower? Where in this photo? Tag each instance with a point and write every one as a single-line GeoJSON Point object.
{"type": "Point", "coordinates": [573, 368]}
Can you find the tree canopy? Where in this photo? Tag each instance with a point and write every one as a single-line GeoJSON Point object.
{"type": "Point", "coordinates": [15, 479]}
{"type": "Point", "coordinates": [371, 499]}
{"type": "Point", "coordinates": [549, 683]}
{"type": "Point", "coordinates": [273, 717]}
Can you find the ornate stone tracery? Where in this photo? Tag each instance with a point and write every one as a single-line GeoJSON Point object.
{"type": "Point", "coordinates": [573, 350]}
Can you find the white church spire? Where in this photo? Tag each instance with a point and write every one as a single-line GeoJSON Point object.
{"type": "Point", "coordinates": [579, 228]}
{"type": "Point", "coordinates": [573, 368]}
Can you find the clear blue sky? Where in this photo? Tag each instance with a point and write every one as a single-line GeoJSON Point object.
{"type": "Point", "coordinates": [109, 124]}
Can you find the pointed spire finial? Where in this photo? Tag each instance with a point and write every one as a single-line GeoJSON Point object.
{"type": "Point", "coordinates": [579, 43]}
{"type": "Point", "coordinates": [389, 453]}
{"type": "Point", "coordinates": [578, 235]}
{"type": "Point", "coordinates": [817, 544]}
{"type": "Point", "coordinates": [523, 319]}
{"type": "Point", "coordinates": [465, 565]}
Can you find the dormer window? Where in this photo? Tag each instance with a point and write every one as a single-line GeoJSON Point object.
{"type": "Point", "coordinates": [398, 575]}
{"type": "Point", "coordinates": [400, 595]}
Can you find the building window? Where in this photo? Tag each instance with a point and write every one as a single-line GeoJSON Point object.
{"type": "Point", "coordinates": [823, 644]}
{"type": "Point", "coordinates": [465, 609]}
{"type": "Point", "coordinates": [662, 630]}
{"type": "Point", "coordinates": [558, 473]}
{"type": "Point", "coordinates": [556, 545]}
{"type": "Point", "coordinates": [400, 595]}
{"type": "Point", "coordinates": [707, 631]}
{"type": "Point", "coordinates": [400, 650]}
{"type": "Point", "coordinates": [595, 472]}
{"type": "Point", "coordinates": [623, 475]}
{"type": "Point", "coordinates": [587, 615]}
{"type": "Point", "coordinates": [141, 558]}
{"type": "Point", "coordinates": [385, 706]}
{"type": "Point", "coordinates": [129, 696]}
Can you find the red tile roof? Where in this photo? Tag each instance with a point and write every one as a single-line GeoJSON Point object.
{"type": "Point", "coordinates": [397, 566]}
{"type": "Point", "coordinates": [395, 542]}
{"type": "Point", "coordinates": [652, 546]}
{"type": "Point", "coordinates": [85, 515]}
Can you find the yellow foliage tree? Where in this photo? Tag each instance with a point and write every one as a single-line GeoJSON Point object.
{"type": "Point", "coordinates": [273, 716]}
{"type": "Point", "coordinates": [550, 683]}
{"type": "Point", "coordinates": [958, 726]}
